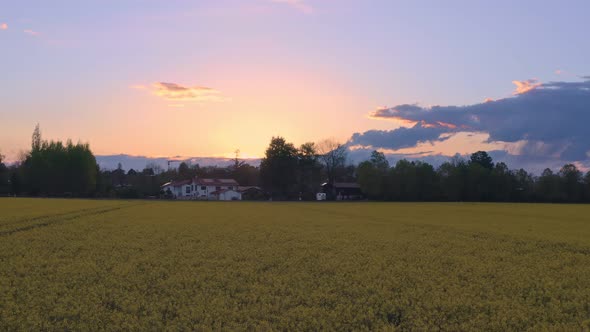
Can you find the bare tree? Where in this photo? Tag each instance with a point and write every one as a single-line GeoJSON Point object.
{"type": "Point", "coordinates": [157, 169]}
{"type": "Point", "coordinates": [333, 155]}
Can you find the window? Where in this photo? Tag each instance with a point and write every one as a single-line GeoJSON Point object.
{"type": "Point", "coordinates": [203, 188]}
{"type": "Point", "coordinates": [188, 189]}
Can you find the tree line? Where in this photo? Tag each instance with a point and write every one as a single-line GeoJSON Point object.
{"type": "Point", "coordinates": [287, 172]}
{"type": "Point", "coordinates": [51, 168]}
{"type": "Point", "coordinates": [290, 173]}
{"type": "Point", "coordinates": [475, 179]}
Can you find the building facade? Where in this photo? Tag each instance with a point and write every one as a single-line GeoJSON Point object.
{"type": "Point", "coordinates": [203, 189]}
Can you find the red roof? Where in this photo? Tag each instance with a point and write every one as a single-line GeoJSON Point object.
{"type": "Point", "coordinates": [177, 183]}
{"type": "Point", "coordinates": [217, 182]}
{"type": "Point", "coordinates": [204, 182]}
{"type": "Point", "coordinates": [247, 188]}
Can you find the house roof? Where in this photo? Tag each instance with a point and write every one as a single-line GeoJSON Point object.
{"type": "Point", "coordinates": [203, 182]}
{"type": "Point", "coordinates": [346, 185]}
{"type": "Point", "coordinates": [216, 182]}
{"type": "Point", "coordinates": [246, 188]}
{"type": "Point", "coordinates": [181, 183]}
{"type": "Point", "coordinates": [176, 183]}
{"type": "Point", "coordinates": [343, 185]}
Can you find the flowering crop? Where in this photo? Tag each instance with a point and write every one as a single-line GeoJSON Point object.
{"type": "Point", "coordinates": [150, 265]}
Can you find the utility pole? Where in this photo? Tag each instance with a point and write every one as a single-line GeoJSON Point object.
{"type": "Point", "coordinates": [237, 160]}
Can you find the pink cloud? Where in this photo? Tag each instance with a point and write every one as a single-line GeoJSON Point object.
{"type": "Point", "coordinates": [31, 32]}
{"type": "Point", "coordinates": [3, 26]}
{"type": "Point", "coordinates": [526, 86]}
{"type": "Point", "coordinates": [177, 92]}
{"type": "Point", "coordinates": [174, 91]}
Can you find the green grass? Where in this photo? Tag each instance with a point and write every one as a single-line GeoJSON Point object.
{"type": "Point", "coordinates": [142, 265]}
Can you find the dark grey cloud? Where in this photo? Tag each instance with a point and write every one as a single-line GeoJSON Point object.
{"type": "Point", "coordinates": [399, 138]}
{"type": "Point", "coordinates": [551, 119]}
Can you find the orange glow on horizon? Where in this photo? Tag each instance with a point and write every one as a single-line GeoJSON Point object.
{"type": "Point", "coordinates": [298, 104]}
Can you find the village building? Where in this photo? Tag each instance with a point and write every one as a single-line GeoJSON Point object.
{"type": "Point", "coordinates": [203, 189]}
{"type": "Point", "coordinates": [341, 191]}
{"type": "Point", "coordinates": [252, 193]}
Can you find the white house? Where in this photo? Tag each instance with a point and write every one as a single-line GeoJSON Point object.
{"type": "Point", "coordinates": [206, 189]}
{"type": "Point", "coordinates": [177, 189]}
{"type": "Point", "coordinates": [228, 195]}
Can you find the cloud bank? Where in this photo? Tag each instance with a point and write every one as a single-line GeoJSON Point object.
{"type": "Point", "coordinates": [540, 120]}
{"type": "Point", "coordinates": [400, 138]}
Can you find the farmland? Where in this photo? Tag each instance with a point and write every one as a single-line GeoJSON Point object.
{"type": "Point", "coordinates": [150, 265]}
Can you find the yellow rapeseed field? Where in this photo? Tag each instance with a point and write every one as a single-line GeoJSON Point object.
{"type": "Point", "coordinates": [150, 265]}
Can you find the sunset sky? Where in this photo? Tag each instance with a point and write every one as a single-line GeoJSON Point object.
{"type": "Point", "coordinates": [204, 77]}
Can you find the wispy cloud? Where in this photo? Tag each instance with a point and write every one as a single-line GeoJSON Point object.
{"type": "Point", "coordinates": [177, 92]}
{"type": "Point", "coordinates": [174, 91]}
{"type": "Point", "coordinates": [3, 26]}
{"type": "Point", "coordinates": [31, 32]}
{"type": "Point", "coordinates": [301, 5]}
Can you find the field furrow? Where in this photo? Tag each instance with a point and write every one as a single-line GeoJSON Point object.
{"type": "Point", "coordinates": [26, 224]}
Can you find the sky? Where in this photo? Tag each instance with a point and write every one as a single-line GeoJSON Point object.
{"type": "Point", "coordinates": [422, 79]}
